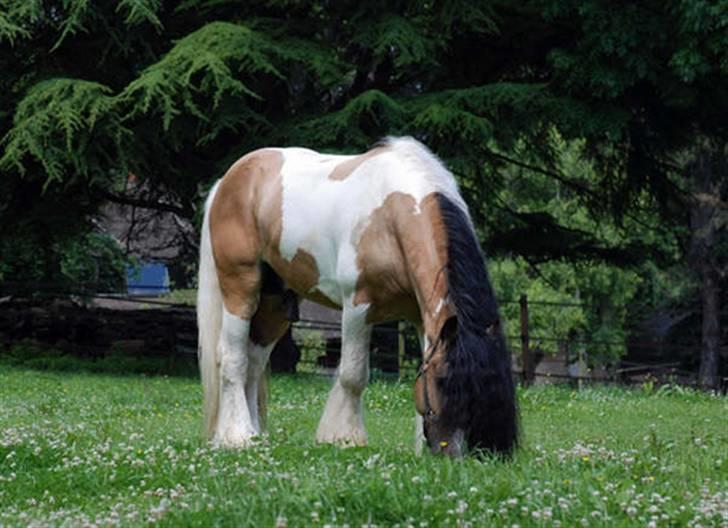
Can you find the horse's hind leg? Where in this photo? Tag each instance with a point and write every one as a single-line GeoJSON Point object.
{"type": "Point", "coordinates": [255, 384]}
{"type": "Point", "coordinates": [270, 322]}
{"type": "Point", "coordinates": [235, 426]}
{"type": "Point", "coordinates": [343, 420]}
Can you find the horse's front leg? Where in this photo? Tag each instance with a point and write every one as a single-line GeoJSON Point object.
{"type": "Point", "coordinates": [343, 420]}
{"type": "Point", "coordinates": [420, 440]}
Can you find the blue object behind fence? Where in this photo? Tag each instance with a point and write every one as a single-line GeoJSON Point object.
{"type": "Point", "coordinates": [149, 279]}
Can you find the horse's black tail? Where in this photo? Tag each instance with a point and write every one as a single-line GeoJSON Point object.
{"type": "Point", "coordinates": [479, 393]}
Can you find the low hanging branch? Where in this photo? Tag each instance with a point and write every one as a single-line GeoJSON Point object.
{"type": "Point", "coordinates": [146, 204]}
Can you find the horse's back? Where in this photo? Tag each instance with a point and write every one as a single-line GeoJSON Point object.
{"type": "Point", "coordinates": [324, 221]}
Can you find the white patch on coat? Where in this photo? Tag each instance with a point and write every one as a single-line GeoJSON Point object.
{"type": "Point", "coordinates": [241, 368]}
{"type": "Point", "coordinates": [326, 217]}
{"type": "Point", "coordinates": [425, 344]}
{"type": "Point", "coordinates": [430, 167]}
{"type": "Point", "coordinates": [235, 427]}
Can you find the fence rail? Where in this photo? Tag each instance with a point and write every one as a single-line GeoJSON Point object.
{"type": "Point", "coordinates": [524, 343]}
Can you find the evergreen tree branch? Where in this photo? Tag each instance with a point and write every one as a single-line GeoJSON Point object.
{"type": "Point", "coordinates": [577, 186]}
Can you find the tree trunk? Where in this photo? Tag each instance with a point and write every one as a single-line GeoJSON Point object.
{"type": "Point", "coordinates": [710, 350]}
{"type": "Point", "coordinates": [705, 224]}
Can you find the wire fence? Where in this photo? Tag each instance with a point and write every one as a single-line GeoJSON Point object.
{"type": "Point", "coordinates": [395, 348]}
{"type": "Point", "coordinates": [94, 290]}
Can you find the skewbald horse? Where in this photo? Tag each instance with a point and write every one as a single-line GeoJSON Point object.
{"type": "Point", "coordinates": [383, 236]}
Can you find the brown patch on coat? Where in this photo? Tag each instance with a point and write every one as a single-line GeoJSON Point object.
{"type": "Point", "coordinates": [300, 274]}
{"type": "Point", "coordinates": [343, 170]}
{"type": "Point", "coordinates": [246, 220]}
{"type": "Point", "coordinates": [402, 255]}
{"type": "Point", "coordinates": [236, 232]}
{"type": "Point", "coordinates": [384, 281]}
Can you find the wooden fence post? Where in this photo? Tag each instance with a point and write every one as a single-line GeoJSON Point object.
{"type": "Point", "coordinates": [400, 347]}
{"type": "Point", "coordinates": [525, 352]}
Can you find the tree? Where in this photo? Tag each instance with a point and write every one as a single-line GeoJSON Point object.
{"type": "Point", "coordinates": [662, 66]}
{"type": "Point", "coordinates": [709, 249]}
{"type": "Point", "coordinates": [174, 93]}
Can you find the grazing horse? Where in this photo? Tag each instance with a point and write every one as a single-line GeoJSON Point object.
{"type": "Point", "coordinates": [382, 236]}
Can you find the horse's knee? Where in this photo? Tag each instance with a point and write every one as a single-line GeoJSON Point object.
{"type": "Point", "coordinates": [354, 376]}
{"type": "Point", "coordinates": [354, 365]}
{"type": "Point", "coordinates": [231, 347]}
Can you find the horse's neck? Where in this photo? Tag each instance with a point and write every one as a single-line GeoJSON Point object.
{"type": "Point", "coordinates": [424, 242]}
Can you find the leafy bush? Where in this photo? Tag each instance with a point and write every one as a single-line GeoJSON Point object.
{"type": "Point", "coordinates": [85, 258]}
{"type": "Point", "coordinates": [94, 257]}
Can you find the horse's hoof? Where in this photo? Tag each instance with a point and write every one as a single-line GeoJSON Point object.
{"type": "Point", "coordinates": [234, 440]}
{"type": "Point", "coordinates": [355, 439]}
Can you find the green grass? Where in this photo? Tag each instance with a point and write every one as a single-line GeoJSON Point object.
{"type": "Point", "coordinates": [180, 296]}
{"type": "Point", "coordinates": [28, 354]}
{"type": "Point", "coordinates": [99, 449]}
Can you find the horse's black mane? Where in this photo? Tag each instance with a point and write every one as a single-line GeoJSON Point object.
{"type": "Point", "coordinates": [479, 394]}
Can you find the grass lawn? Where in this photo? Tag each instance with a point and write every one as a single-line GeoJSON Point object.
{"type": "Point", "coordinates": [92, 449]}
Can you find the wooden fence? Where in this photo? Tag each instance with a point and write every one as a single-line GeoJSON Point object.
{"type": "Point", "coordinates": [153, 326]}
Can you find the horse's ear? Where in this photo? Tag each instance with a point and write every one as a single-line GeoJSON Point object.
{"type": "Point", "coordinates": [449, 329]}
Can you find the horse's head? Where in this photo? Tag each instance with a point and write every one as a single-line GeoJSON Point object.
{"type": "Point", "coordinates": [465, 393]}
{"type": "Point", "coordinates": [442, 436]}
